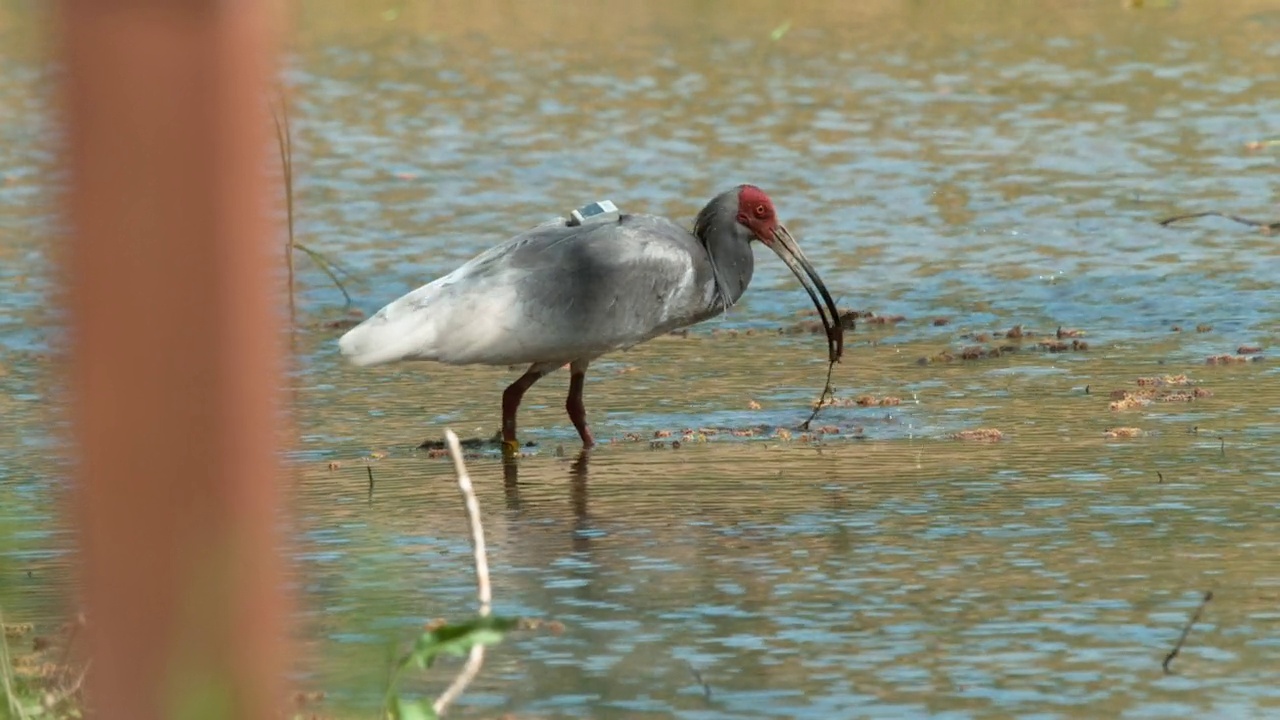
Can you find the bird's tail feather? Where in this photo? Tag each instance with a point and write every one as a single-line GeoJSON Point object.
{"type": "Point", "coordinates": [378, 341]}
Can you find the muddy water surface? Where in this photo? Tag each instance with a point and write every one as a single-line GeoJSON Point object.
{"type": "Point", "coordinates": [991, 164]}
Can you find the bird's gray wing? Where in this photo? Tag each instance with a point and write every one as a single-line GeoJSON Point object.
{"type": "Point", "coordinates": [554, 293]}
{"type": "Point", "coordinates": [583, 291]}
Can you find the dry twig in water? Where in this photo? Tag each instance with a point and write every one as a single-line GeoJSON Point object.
{"type": "Point", "coordinates": [1267, 226]}
{"type": "Point", "coordinates": [484, 593]}
{"type": "Point", "coordinates": [1185, 631]}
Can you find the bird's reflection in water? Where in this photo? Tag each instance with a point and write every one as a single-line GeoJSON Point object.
{"type": "Point", "coordinates": [578, 496]}
{"type": "Point", "coordinates": [578, 501]}
{"type": "Point", "coordinates": [511, 483]}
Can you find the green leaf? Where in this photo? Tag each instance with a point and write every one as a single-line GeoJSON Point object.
{"type": "Point", "coordinates": [779, 31]}
{"type": "Point", "coordinates": [458, 639]}
{"type": "Point", "coordinates": [413, 710]}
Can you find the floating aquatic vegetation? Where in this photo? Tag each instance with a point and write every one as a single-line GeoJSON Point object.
{"type": "Point", "coordinates": [1229, 359]}
{"type": "Point", "coordinates": [1123, 432]}
{"type": "Point", "coordinates": [1181, 379]}
{"type": "Point", "coordinates": [979, 435]}
{"type": "Point", "coordinates": [862, 401]}
{"type": "Point", "coordinates": [1147, 394]}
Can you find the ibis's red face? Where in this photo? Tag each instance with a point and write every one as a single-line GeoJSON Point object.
{"type": "Point", "coordinates": [755, 211]}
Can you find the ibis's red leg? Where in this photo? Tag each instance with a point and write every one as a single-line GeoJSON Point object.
{"type": "Point", "coordinates": [573, 404]}
{"type": "Point", "coordinates": [511, 403]}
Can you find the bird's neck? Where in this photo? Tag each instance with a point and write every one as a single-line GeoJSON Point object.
{"type": "Point", "coordinates": [732, 262]}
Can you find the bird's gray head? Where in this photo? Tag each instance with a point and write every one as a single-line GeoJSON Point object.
{"type": "Point", "coordinates": [746, 213]}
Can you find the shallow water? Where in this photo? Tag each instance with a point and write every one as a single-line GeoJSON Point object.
{"type": "Point", "coordinates": [995, 165]}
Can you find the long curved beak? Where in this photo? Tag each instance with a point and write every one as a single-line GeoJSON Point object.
{"type": "Point", "coordinates": [790, 252]}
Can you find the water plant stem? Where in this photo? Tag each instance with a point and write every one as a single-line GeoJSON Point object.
{"type": "Point", "coordinates": [484, 592]}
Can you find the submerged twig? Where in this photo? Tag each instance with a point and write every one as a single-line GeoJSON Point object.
{"type": "Point", "coordinates": [484, 593]}
{"type": "Point", "coordinates": [827, 390]}
{"type": "Point", "coordinates": [1269, 226]}
{"type": "Point", "coordinates": [706, 689]}
{"type": "Point", "coordinates": [1185, 631]}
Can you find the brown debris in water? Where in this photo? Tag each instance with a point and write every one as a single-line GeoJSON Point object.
{"type": "Point", "coordinates": [1133, 399]}
{"type": "Point", "coordinates": [1184, 396]}
{"type": "Point", "coordinates": [1069, 332]}
{"type": "Point", "coordinates": [662, 433]}
{"type": "Point", "coordinates": [848, 319]}
{"type": "Point", "coordinates": [939, 322]}
{"type": "Point", "coordinates": [885, 319]}
{"type": "Point", "coordinates": [979, 435]}
{"type": "Point", "coordinates": [1129, 400]}
{"type": "Point", "coordinates": [555, 627]}
{"type": "Point", "coordinates": [941, 358]}
{"type": "Point", "coordinates": [860, 401]}
{"type": "Point", "coordinates": [1248, 350]}
{"type": "Point", "coordinates": [981, 352]}
{"type": "Point", "coordinates": [17, 630]}
{"type": "Point", "coordinates": [782, 434]}
{"type": "Point", "coordinates": [1123, 432]}
{"type": "Point", "coordinates": [753, 405]}
{"type": "Point", "coordinates": [1014, 332]}
{"type": "Point", "coordinates": [334, 465]}
{"type": "Point", "coordinates": [1231, 359]}
{"type": "Point", "coordinates": [1181, 379]}
{"type": "Point", "coordinates": [1176, 328]}
{"type": "Point", "coordinates": [1203, 328]}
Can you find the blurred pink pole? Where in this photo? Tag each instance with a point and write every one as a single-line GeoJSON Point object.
{"type": "Point", "coordinates": [175, 354]}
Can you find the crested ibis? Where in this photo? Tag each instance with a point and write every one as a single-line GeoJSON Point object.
{"type": "Point", "coordinates": [572, 289]}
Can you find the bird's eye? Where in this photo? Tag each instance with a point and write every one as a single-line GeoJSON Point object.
{"type": "Point", "coordinates": [761, 211]}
